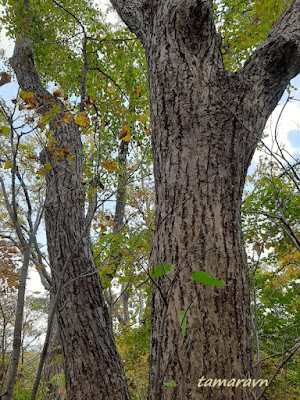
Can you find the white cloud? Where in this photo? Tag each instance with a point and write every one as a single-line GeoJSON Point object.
{"type": "Point", "coordinates": [6, 43]}
{"type": "Point", "coordinates": [281, 123]}
{"type": "Point", "coordinates": [106, 8]}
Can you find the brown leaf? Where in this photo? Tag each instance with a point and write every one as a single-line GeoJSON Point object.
{"type": "Point", "coordinates": [123, 133]}
{"type": "Point", "coordinates": [58, 93]}
{"type": "Point", "coordinates": [5, 78]}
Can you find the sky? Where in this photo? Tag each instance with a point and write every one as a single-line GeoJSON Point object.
{"type": "Point", "coordinates": [288, 126]}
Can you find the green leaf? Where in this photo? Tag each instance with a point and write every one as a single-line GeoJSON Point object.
{"type": "Point", "coordinates": [4, 130]}
{"type": "Point", "coordinates": [182, 320]}
{"type": "Point", "coordinates": [206, 279]}
{"type": "Point", "coordinates": [171, 384]}
{"type": "Point", "coordinates": [160, 270]}
{"type": "Point", "coordinates": [56, 108]}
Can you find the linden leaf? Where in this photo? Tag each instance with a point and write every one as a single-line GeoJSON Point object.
{"type": "Point", "coordinates": [26, 95]}
{"type": "Point", "coordinates": [147, 112]}
{"type": "Point", "coordinates": [148, 132]}
{"type": "Point", "coordinates": [110, 89]}
{"type": "Point", "coordinates": [182, 320]}
{"type": "Point", "coordinates": [58, 93]}
{"type": "Point", "coordinates": [138, 91]}
{"type": "Point", "coordinates": [110, 166]}
{"type": "Point", "coordinates": [134, 168]}
{"type": "Point", "coordinates": [48, 166]}
{"type": "Point", "coordinates": [5, 78]}
{"type": "Point", "coordinates": [56, 108]}
{"type": "Point", "coordinates": [70, 157]}
{"type": "Point", "coordinates": [160, 270]}
{"type": "Point", "coordinates": [5, 130]}
{"type": "Point", "coordinates": [41, 172]}
{"type": "Point", "coordinates": [123, 133]}
{"type": "Point", "coordinates": [143, 119]}
{"type": "Point", "coordinates": [82, 119]}
{"type": "Point", "coordinates": [127, 137]}
{"type": "Point", "coordinates": [171, 384]}
{"type": "Point", "coordinates": [206, 279]}
{"type": "Point", "coordinates": [67, 117]}
{"type": "Point", "coordinates": [8, 165]}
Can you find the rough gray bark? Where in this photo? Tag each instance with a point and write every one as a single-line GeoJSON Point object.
{"type": "Point", "coordinates": [17, 338]}
{"type": "Point", "coordinates": [206, 125]}
{"type": "Point", "coordinates": [53, 366]}
{"type": "Point", "coordinates": [93, 367]}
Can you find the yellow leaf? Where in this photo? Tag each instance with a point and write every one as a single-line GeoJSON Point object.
{"type": "Point", "coordinates": [148, 112]}
{"type": "Point", "coordinates": [41, 172]}
{"type": "Point", "coordinates": [123, 110]}
{"type": "Point", "coordinates": [138, 91]}
{"type": "Point", "coordinates": [110, 166]}
{"type": "Point", "coordinates": [148, 132]}
{"type": "Point", "coordinates": [67, 117]}
{"type": "Point", "coordinates": [48, 166]}
{"type": "Point", "coordinates": [143, 119]}
{"type": "Point", "coordinates": [56, 108]}
{"type": "Point", "coordinates": [70, 157]}
{"type": "Point", "coordinates": [26, 95]}
{"type": "Point", "coordinates": [110, 89]}
{"type": "Point", "coordinates": [8, 165]}
{"type": "Point", "coordinates": [127, 137]}
{"type": "Point", "coordinates": [82, 119]}
{"type": "Point", "coordinates": [40, 266]}
{"type": "Point", "coordinates": [49, 134]}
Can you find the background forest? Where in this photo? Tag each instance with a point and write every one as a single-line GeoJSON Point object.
{"type": "Point", "coordinates": [98, 72]}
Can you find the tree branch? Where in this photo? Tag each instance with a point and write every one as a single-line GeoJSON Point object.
{"type": "Point", "coordinates": [293, 350]}
{"type": "Point", "coordinates": [275, 62]}
{"type": "Point", "coordinates": [131, 12]}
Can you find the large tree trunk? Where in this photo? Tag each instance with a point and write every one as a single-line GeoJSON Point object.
{"type": "Point", "coordinates": [200, 163]}
{"type": "Point", "coordinates": [93, 367]}
{"type": "Point", "coordinates": [206, 124]}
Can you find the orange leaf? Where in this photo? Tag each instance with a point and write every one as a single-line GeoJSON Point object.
{"type": "Point", "coordinates": [110, 166]}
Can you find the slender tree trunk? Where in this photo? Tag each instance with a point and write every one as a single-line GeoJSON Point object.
{"type": "Point", "coordinates": [206, 124]}
{"type": "Point", "coordinates": [53, 365]}
{"type": "Point", "coordinates": [93, 367]}
{"type": "Point", "coordinates": [17, 337]}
